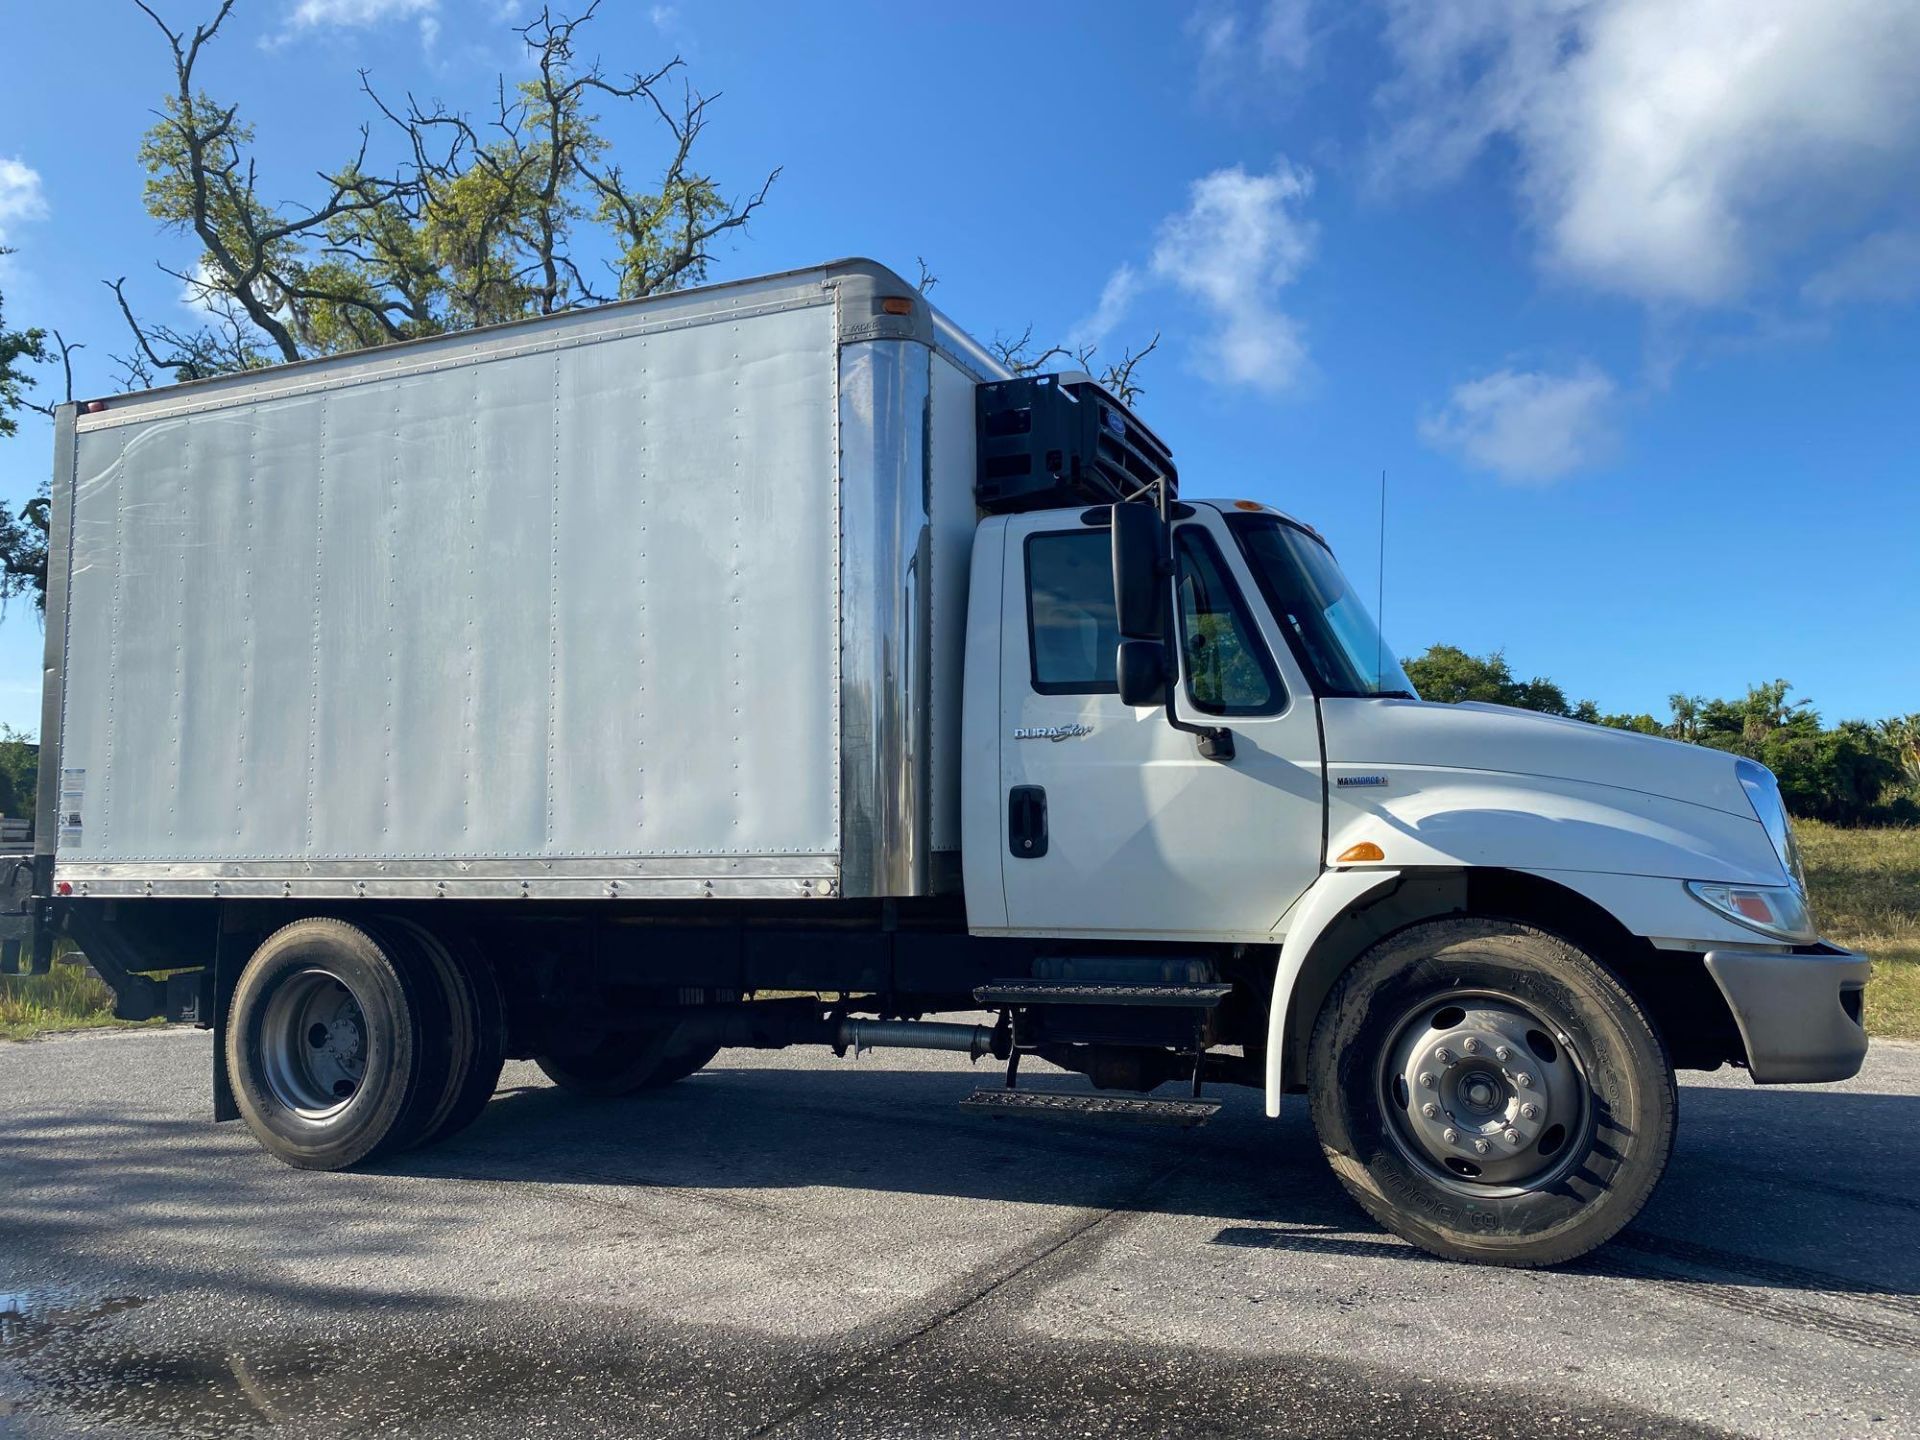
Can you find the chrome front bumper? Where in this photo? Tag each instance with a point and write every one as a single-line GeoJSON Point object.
{"type": "Point", "coordinates": [1799, 1013]}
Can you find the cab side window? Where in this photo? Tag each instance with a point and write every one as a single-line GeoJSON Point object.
{"type": "Point", "coordinates": [1070, 622]}
{"type": "Point", "coordinates": [1227, 668]}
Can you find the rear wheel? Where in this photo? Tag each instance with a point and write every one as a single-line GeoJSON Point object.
{"type": "Point", "coordinates": [339, 1043]}
{"type": "Point", "coordinates": [479, 1030]}
{"type": "Point", "coordinates": [1488, 1092]}
{"type": "Point", "coordinates": [620, 1062]}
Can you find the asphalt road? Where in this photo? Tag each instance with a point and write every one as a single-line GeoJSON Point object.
{"type": "Point", "coordinates": [792, 1245]}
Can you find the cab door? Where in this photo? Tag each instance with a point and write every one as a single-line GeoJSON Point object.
{"type": "Point", "coordinates": [1114, 823]}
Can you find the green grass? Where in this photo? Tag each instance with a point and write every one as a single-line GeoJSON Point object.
{"type": "Point", "coordinates": [1865, 886]}
{"type": "Point", "coordinates": [67, 997]}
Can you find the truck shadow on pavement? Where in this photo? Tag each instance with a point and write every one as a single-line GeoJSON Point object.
{"type": "Point", "coordinates": [189, 1284]}
{"type": "Point", "coordinates": [1777, 1189]}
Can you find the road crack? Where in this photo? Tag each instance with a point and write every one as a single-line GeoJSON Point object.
{"type": "Point", "coordinates": [963, 1295]}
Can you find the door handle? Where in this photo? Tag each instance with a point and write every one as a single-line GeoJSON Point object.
{"type": "Point", "coordinates": [1027, 822]}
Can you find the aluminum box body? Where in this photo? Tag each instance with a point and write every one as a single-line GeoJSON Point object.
{"type": "Point", "coordinates": [629, 602]}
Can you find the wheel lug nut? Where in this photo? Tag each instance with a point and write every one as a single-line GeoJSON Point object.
{"type": "Point", "coordinates": [1426, 1079]}
{"type": "Point", "coordinates": [1530, 1111]}
{"type": "Point", "coordinates": [1523, 1080]}
{"type": "Point", "coordinates": [1502, 1054]}
{"type": "Point", "coordinates": [1449, 1135]}
{"type": "Point", "coordinates": [1470, 1045]}
{"type": "Point", "coordinates": [1430, 1110]}
{"type": "Point", "coordinates": [1443, 1055]}
{"type": "Point", "coordinates": [1512, 1137]}
{"type": "Point", "coordinates": [1481, 1147]}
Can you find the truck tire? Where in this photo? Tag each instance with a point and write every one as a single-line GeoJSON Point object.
{"type": "Point", "coordinates": [679, 1064]}
{"type": "Point", "coordinates": [339, 1043]}
{"type": "Point", "coordinates": [479, 1028]}
{"type": "Point", "coordinates": [620, 1063]}
{"type": "Point", "coordinates": [1488, 1092]}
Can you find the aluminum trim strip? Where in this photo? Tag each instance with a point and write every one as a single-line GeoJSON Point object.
{"type": "Point", "coordinates": [389, 888]}
{"type": "Point", "coordinates": [671, 867]}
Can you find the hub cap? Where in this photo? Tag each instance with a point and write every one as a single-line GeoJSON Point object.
{"type": "Point", "coordinates": [313, 1044]}
{"type": "Point", "coordinates": [1484, 1094]}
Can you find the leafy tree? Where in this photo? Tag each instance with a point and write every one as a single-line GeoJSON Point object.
{"type": "Point", "coordinates": [523, 213]}
{"type": "Point", "coordinates": [1448, 673]}
{"type": "Point", "coordinates": [1641, 724]}
{"type": "Point", "coordinates": [16, 346]}
{"type": "Point", "coordinates": [1686, 716]}
{"type": "Point", "coordinates": [1851, 774]}
{"type": "Point", "coordinates": [23, 533]}
{"type": "Point", "coordinates": [1902, 738]}
{"type": "Point", "coordinates": [19, 770]}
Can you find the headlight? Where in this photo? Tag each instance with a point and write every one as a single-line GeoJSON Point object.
{"type": "Point", "coordinates": [1776, 910]}
{"type": "Point", "coordinates": [1763, 793]}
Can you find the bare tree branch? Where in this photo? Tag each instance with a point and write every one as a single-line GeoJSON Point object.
{"type": "Point", "coordinates": [66, 369]}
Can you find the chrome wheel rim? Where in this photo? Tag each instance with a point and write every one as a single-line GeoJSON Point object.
{"type": "Point", "coordinates": [313, 1044]}
{"type": "Point", "coordinates": [1485, 1094]}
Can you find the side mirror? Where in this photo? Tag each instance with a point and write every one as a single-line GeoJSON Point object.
{"type": "Point", "coordinates": [1141, 668]}
{"type": "Point", "coordinates": [1140, 572]}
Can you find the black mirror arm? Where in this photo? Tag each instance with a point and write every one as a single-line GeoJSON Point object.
{"type": "Point", "coordinates": [1215, 741]}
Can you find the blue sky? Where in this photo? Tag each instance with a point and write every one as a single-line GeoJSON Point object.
{"type": "Point", "coordinates": [1621, 295]}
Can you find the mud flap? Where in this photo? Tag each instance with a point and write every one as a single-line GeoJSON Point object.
{"type": "Point", "coordinates": [216, 994]}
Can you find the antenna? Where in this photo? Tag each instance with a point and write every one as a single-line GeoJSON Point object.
{"type": "Point", "coordinates": [1380, 602]}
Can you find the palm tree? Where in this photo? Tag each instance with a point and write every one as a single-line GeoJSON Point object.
{"type": "Point", "coordinates": [1902, 732]}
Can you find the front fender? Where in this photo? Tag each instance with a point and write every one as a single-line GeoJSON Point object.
{"type": "Point", "coordinates": [1331, 896]}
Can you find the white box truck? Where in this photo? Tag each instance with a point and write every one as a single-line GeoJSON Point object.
{"type": "Point", "coordinates": [582, 689]}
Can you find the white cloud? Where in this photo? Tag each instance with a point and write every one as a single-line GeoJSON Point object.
{"type": "Point", "coordinates": [1526, 426]}
{"type": "Point", "coordinates": [1883, 268]}
{"type": "Point", "coordinates": [356, 14]}
{"type": "Point", "coordinates": [1238, 242]}
{"type": "Point", "coordinates": [1669, 152]}
{"type": "Point", "coordinates": [309, 17]}
{"type": "Point", "coordinates": [21, 195]}
{"type": "Point", "coordinates": [200, 294]}
{"type": "Point", "coordinates": [1239, 42]}
{"type": "Point", "coordinates": [1116, 299]}
{"type": "Point", "coordinates": [1286, 38]}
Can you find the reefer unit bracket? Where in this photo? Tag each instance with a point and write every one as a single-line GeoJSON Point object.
{"type": "Point", "coordinates": [1055, 440]}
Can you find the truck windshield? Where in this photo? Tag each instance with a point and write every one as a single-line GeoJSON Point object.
{"type": "Point", "coordinates": [1330, 628]}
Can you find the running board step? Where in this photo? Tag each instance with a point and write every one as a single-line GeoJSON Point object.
{"type": "Point", "coordinates": [1101, 992]}
{"type": "Point", "coordinates": [1142, 1109]}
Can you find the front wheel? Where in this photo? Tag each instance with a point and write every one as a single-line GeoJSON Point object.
{"type": "Point", "coordinates": [1490, 1093]}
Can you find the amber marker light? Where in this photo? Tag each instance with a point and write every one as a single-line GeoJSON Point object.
{"type": "Point", "coordinates": [897, 305]}
{"type": "Point", "coordinates": [1365, 853]}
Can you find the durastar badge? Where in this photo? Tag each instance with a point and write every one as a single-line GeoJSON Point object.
{"type": "Point", "coordinates": [1051, 732]}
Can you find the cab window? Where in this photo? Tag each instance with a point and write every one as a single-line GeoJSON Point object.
{"type": "Point", "coordinates": [1227, 668]}
{"type": "Point", "coordinates": [1070, 622]}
